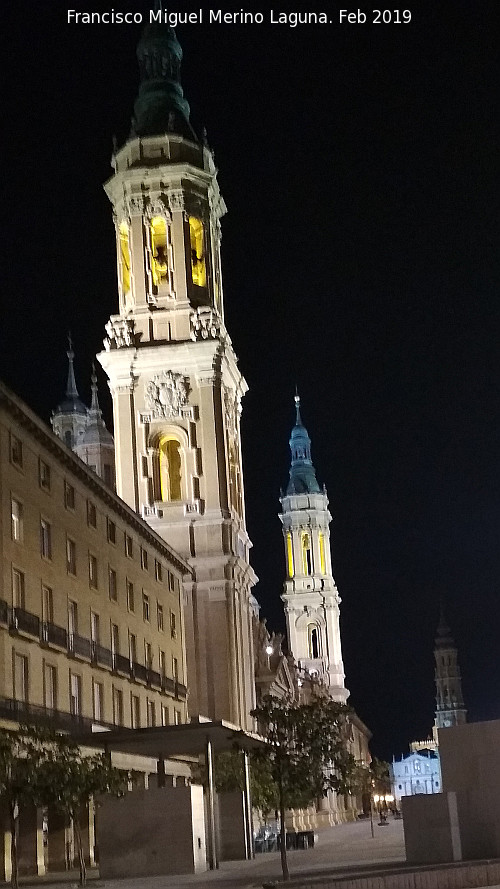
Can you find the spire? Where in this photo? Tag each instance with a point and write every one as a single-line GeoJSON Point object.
{"type": "Point", "coordinates": [71, 390]}
{"type": "Point", "coordinates": [160, 106]}
{"type": "Point", "coordinates": [302, 473]}
{"type": "Point", "coordinates": [72, 404]}
{"type": "Point", "coordinates": [95, 410]}
{"type": "Point", "coordinates": [444, 639]}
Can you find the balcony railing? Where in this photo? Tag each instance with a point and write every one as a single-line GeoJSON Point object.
{"type": "Point", "coordinates": [20, 711]}
{"type": "Point", "coordinates": [19, 620]}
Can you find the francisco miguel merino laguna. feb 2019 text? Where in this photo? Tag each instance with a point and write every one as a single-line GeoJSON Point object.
{"type": "Point", "coordinates": [201, 17]}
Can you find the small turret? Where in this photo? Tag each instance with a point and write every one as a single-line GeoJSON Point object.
{"type": "Point", "coordinates": [302, 472]}
{"type": "Point", "coordinates": [70, 416]}
{"type": "Point", "coordinates": [96, 445]}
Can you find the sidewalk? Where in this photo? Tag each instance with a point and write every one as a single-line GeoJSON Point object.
{"type": "Point", "coordinates": [339, 849]}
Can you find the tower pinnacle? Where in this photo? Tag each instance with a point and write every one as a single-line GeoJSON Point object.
{"type": "Point", "coordinates": [160, 106]}
{"type": "Point", "coordinates": [302, 473]}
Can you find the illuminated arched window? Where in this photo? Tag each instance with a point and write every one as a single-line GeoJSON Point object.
{"type": "Point", "coordinates": [197, 246]}
{"type": "Point", "coordinates": [170, 469]}
{"type": "Point", "coordinates": [124, 257]}
{"type": "Point", "coordinates": [306, 553]}
{"type": "Point", "coordinates": [322, 560]}
{"type": "Point", "coordinates": [159, 250]}
{"type": "Point", "coordinates": [289, 554]}
{"type": "Point", "coordinates": [313, 641]}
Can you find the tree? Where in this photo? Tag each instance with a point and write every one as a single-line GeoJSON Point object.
{"type": "Point", "coordinates": [307, 753]}
{"type": "Point", "coordinates": [68, 779]}
{"type": "Point", "coordinates": [22, 755]}
{"type": "Point", "coordinates": [229, 776]}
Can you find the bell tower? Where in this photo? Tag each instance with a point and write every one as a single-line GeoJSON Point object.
{"type": "Point", "coordinates": [450, 709]}
{"type": "Point", "coordinates": [174, 377]}
{"type": "Point", "coordinates": [310, 595]}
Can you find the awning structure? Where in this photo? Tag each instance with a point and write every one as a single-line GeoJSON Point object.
{"type": "Point", "coordinates": [193, 739]}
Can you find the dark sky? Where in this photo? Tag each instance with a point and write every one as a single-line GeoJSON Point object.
{"type": "Point", "coordinates": [359, 164]}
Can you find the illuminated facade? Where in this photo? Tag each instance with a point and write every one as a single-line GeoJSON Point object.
{"type": "Point", "coordinates": [174, 378]}
{"type": "Point", "coordinates": [310, 596]}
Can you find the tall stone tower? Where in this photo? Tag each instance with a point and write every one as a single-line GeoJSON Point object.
{"type": "Point", "coordinates": [310, 596]}
{"type": "Point", "coordinates": [174, 377]}
{"type": "Point", "coordinates": [450, 708]}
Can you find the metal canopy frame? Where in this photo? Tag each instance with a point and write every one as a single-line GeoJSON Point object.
{"type": "Point", "coordinates": [192, 739]}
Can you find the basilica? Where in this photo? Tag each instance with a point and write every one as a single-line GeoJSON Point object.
{"type": "Point", "coordinates": [127, 590]}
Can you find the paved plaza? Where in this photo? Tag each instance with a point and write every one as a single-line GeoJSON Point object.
{"type": "Point", "coordinates": [340, 848]}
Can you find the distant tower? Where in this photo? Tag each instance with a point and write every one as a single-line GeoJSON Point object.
{"type": "Point", "coordinates": [96, 446]}
{"type": "Point", "coordinates": [450, 708]}
{"type": "Point", "coordinates": [310, 596]}
{"type": "Point", "coordinates": [175, 381]}
{"type": "Point", "coordinates": [70, 416]}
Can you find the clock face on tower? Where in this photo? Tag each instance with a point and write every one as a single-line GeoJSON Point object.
{"type": "Point", "coordinates": [446, 722]}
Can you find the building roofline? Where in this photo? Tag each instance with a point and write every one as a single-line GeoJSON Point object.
{"type": "Point", "coordinates": [33, 424]}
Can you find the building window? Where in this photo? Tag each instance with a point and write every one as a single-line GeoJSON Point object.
{"type": "Point", "coordinates": [164, 714]}
{"type": "Point", "coordinates": [289, 553]}
{"type": "Point", "coordinates": [129, 546]}
{"type": "Point", "coordinates": [197, 245]}
{"type": "Point", "coordinates": [92, 571]}
{"type": "Point", "coordinates": [91, 514]}
{"type": "Point", "coordinates": [98, 701]}
{"type": "Point", "coordinates": [175, 668]}
{"type": "Point", "coordinates": [50, 687]}
{"type": "Point", "coordinates": [144, 559]}
{"type": "Point", "coordinates": [111, 529]}
{"type": "Point", "coordinates": [159, 614]}
{"type": "Point", "coordinates": [16, 451]}
{"type": "Point", "coordinates": [151, 714]}
{"type": "Point", "coordinates": [72, 619]}
{"type": "Point", "coordinates": [171, 581]}
{"type": "Point", "coordinates": [47, 605]}
{"type": "Point", "coordinates": [124, 257]}
{"type": "Point", "coordinates": [159, 251]}
{"type": "Point", "coordinates": [130, 596]}
{"type": "Point", "coordinates": [158, 571]}
{"type": "Point", "coordinates": [115, 640]}
{"type": "Point", "coordinates": [313, 639]}
{"type": "Point", "coordinates": [94, 628]}
{"type": "Point", "coordinates": [45, 539]}
{"type": "Point", "coordinates": [117, 706]}
{"type": "Point", "coordinates": [173, 625]}
{"type": "Point", "coordinates": [163, 664]}
{"type": "Point", "coordinates": [132, 648]}
{"type": "Point", "coordinates": [70, 556]}
{"type": "Point", "coordinates": [69, 496]}
{"type": "Point", "coordinates": [322, 559]}
{"type": "Point", "coordinates": [170, 469]}
{"type": "Point", "coordinates": [18, 589]}
{"type": "Point", "coordinates": [148, 655]}
{"type": "Point", "coordinates": [113, 588]}
{"type": "Point", "coordinates": [44, 475]}
{"type": "Point", "coordinates": [306, 553]}
{"type": "Point", "coordinates": [16, 527]}
{"type": "Point", "coordinates": [21, 686]}
{"type": "Point", "coordinates": [75, 694]}
{"type": "Point", "coordinates": [135, 707]}
{"type": "Point", "coordinates": [145, 608]}
{"type": "Point", "coordinates": [177, 717]}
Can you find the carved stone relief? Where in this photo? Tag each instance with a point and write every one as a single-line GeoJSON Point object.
{"type": "Point", "coordinates": [166, 394]}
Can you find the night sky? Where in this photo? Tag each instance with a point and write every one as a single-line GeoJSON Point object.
{"type": "Point", "coordinates": [359, 164]}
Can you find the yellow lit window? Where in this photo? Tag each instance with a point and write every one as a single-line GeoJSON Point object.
{"type": "Point", "coordinates": [306, 553]}
{"type": "Point", "coordinates": [289, 554]}
{"type": "Point", "coordinates": [159, 250]}
{"type": "Point", "coordinates": [322, 559]}
{"type": "Point", "coordinates": [125, 257]}
{"type": "Point", "coordinates": [198, 264]}
{"type": "Point", "coordinates": [170, 469]}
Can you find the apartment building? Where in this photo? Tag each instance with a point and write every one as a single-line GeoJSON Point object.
{"type": "Point", "coordinates": [91, 625]}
